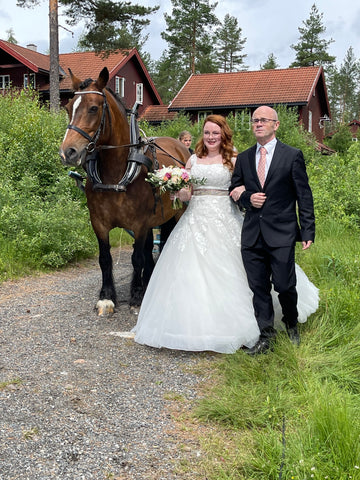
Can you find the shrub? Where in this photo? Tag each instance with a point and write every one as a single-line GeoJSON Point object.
{"type": "Point", "coordinates": [44, 221]}
{"type": "Point", "coordinates": [334, 180]}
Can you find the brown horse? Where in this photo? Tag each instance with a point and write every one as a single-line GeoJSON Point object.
{"type": "Point", "coordinates": [100, 139]}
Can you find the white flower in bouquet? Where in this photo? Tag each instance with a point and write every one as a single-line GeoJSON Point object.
{"type": "Point", "coordinates": [173, 179]}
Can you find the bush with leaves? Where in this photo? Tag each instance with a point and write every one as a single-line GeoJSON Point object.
{"type": "Point", "coordinates": [340, 140]}
{"type": "Point", "coordinates": [171, 128]}
{"type": "Point", "coordinates": [44, 221]}
{"type": "Point", "coordinates": [335, 180]}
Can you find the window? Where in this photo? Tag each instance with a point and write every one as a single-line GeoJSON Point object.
{"type": "Point", "coordinates": [139, 93]}
{"type": "Point", "coordinates": [29, 80]}
{"type": "Point", "coordinates": [4, 81]}
{"type": "Point", "coordinates": [310, 121]}
{"type": "Point", "coordinates": [203, 115]}
{"type": "Point", "coordinates": [120, 86]}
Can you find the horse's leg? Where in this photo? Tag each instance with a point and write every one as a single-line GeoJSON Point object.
{"type": "Point", "coordinates": [107, 297]}
{"type": "Point", "coordinates": [138, 286]}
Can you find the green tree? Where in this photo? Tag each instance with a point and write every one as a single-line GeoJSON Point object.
{"type": "Point", "coordinates": [341, 140]}
{"type": "Point", "coordinates": [54, 48]}
{"type": "Point", "coordinates": [168, 76]}
{"type": "Point", "coordinates": [11, 36]}
{"type": "Point", "coordinates": [270, 63]}
{"type": "Point", "coordinates": [230, 44]}
{"type": "Point", "coordinates": [110, 25]}
{"type": "Point", "coordinates": [189, 34]}
{"type": "Point", "coordinates": [312, 49]}
{"type": "Point", "coordinates": [191, 48]}
{"type": "Point", "coordinates": [343, 87]}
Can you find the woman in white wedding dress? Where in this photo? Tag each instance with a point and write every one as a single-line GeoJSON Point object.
{"type": "Point", "coordinates": [198, 297]}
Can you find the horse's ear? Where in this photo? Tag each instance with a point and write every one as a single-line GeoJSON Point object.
{"type": "Point", "coordinates": [103, 79]}
{"type": "Point", "coordinates": [74, 80]}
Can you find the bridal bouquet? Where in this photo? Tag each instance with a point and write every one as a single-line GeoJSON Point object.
{"type": "Point", "coordinates": [172, 179]}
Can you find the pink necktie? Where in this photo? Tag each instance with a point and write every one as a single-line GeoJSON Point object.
{"type": "Point", "coordinates": [261, 166]}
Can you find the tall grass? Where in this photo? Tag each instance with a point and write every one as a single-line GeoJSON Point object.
{"type": "Point", "coordinates": [295, 413]}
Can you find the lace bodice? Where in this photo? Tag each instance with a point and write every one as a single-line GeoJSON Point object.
{"type": "Point", "coordinates": [209, 214]}
{"type": "Point", "coordinates": [217, 176]}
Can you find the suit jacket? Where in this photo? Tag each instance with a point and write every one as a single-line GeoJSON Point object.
{"type": "Point", "coordinates": [287, 215]}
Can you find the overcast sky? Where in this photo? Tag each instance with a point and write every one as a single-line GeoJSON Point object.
{"type": "Point", "coordinates": [269, 26]}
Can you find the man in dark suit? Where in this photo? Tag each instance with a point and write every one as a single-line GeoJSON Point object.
{"type": "Point", "coordinates": [279, 212]}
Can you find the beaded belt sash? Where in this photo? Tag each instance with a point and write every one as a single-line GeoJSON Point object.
{"type": "Point", "coordinates": [210, 191]}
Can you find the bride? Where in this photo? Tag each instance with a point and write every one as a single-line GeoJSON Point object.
{"type": "Point", "coordinates": [198, 297]}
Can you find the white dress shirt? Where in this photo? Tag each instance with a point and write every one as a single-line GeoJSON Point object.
{"type": "Point", "coordinates": [270, 147]}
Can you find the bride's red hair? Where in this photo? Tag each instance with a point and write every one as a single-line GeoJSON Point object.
{"type": "Point", "coordinates": [227, 146]}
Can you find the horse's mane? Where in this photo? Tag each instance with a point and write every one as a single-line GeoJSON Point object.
{"type": "Point", "coordinates": [118, 99]}
{"type": "Point", "coordinates": [85, 83]}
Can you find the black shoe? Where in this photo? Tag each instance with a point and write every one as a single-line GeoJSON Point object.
{"type": "Point", "coordinates": [261, 346]}
{"type": "Point", "coordinates": [294, 335]}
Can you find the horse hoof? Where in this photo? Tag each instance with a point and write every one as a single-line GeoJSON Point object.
{"type": "Point", "coordinates": [104, 307]}
{"type": "Point", "coordinates": [134, 310]}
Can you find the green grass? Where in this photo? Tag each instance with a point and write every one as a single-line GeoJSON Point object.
{"type": "Point", "coordinates": [295, 412]}
{"type": "Point", "coordinates": [15, 381]}
{"type": "Point", "coordinates": [291, 414]}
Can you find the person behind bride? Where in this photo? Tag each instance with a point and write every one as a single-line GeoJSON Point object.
{"type": "Point", "coordinates": [186, 138]}
{"type": "Point", "coordinates": [198, 298]}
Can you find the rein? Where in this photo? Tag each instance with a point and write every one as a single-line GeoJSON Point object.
{"type": "Point", "coordinates": [135, 158]}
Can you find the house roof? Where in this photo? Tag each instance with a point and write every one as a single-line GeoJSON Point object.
{"type": "Point", "coordinates": [293, 86]}
{"type": "Point", "coordinates": [88, 64]}
{"type": "Point", "coordinates": [82, 64]}
{"type": "Point", "coordinates": [157, 113]}
{"type": "Point", "coordinates": [33, 60]}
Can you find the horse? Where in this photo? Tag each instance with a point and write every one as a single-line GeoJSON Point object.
{"type": "Point", "coordinates": [117, 160]}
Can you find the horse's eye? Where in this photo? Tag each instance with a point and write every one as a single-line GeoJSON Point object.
{"type": "Point", "coordinates": [93, 109]}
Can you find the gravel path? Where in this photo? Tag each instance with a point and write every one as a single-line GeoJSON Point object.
{"type": "Point", "coordinates": [76, 400]}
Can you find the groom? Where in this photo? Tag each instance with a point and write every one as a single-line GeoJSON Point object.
{"type": "Point", "coordinates": [279, 212]}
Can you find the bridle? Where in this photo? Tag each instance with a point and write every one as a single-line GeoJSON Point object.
{"type": "Point", "coordinates": [93, 140]}
{"type": "Point", "coordinates": [136, 157]}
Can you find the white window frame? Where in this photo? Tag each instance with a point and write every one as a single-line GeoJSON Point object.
{"type": "Point", "coordinates": [29, 80]}
{"type": "Point", "coordinates": [139, 93]}
{"type": "Point", "coordinates": [202, 115]}
{"type": "Point", "coordinates": [310, 121]}
{"type": "Point", "coordinates": [4, 81]}
{"type": "Point", "coordinates": [120, 86]}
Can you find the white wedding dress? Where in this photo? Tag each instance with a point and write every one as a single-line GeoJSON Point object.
{"type": "Point", "coordinates": [198, 297]}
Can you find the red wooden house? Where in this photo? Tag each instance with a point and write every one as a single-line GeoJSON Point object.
{"type": "Point", "coordinates": [227, 93]}
{"type": "Point", "coordinates": [21, 67]}
{"type": "Point", "coordinates": [354, 126]}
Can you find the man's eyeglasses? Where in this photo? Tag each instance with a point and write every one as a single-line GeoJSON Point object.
{"type": "Point", "coordinates": [262, 120]}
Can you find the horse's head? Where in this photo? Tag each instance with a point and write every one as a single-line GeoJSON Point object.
{"type": "Point", "coordinates": [87, 112]}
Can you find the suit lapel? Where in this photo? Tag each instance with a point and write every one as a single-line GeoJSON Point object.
{"type": "Point", "coordinates": [252, 163]}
